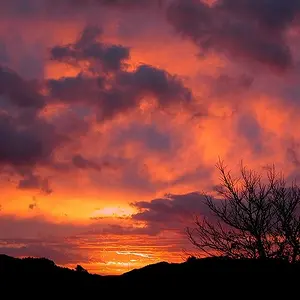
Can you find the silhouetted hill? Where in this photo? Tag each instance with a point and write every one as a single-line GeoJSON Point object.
{"type": "Point", "coordinates": [32, 274]}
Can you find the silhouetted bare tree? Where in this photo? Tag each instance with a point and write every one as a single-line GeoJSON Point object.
{"type": "Point", "coordinates": [287, 204]}
{"type": "Point", "coordinates": [255, 217]}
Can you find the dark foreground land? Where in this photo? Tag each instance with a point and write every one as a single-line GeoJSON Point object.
{"type": "Point", "coordinates": [202, 278]}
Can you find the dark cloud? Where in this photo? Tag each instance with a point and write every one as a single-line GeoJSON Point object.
{"type": "Point", "coordinates": [72, 122]}
{"type": "Point", "coordinates": [82, 163]}
{"type": "Point", "coordinates": [33, 181]}
{"type": "Point", "coordinates": [88, 48]}
{"type": "Point", "coordinates": [89, 38]}
{"type": "Point", "coordinates": [119, 91]}
{"type": "Point", "coordinates": [172, 211]}
{"type": "Point", "coordinates": [20, 92]}
{"type": "Point", "coordinates": [129, 2]}
{"type": "Point", "coordinates": [4, 56]}
{"type": "Point", "coordinates": [26, 145]}
{"type": "Point", "coordinates": [71, 8]}
{"type": "Point", "coordinates": [19, 52]}
{"type": "Point", "coordinates": [156, 82]}
{"type": "Point", "coordinates": [122, 4]}
{"type": "Point", "coordinates": [251, 30]}
{"type": "Point", "coordinates": [130, 88]}
{"type": "Point", "coordinates": [27, 140]}
{"type": "Point", "coordinates": [148, 135]}
{"type": "Point", "coordinates": [76, 89]}
{"type": "Point", "coordinates": [274, 15]}
{"type": "Point", "coordinates": [225, 85]}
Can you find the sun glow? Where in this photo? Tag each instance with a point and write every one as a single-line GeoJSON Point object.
{"type": "Point", "coordinates": [114, 212]}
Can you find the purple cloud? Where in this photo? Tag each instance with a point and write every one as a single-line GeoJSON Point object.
{"type": "Point", "coordinates": [245, 30]}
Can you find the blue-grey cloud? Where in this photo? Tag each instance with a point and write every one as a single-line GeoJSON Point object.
{"type": "Point", "coordinates": [244, 30]}
{"type": "Point", "coordinates": [108, 85]}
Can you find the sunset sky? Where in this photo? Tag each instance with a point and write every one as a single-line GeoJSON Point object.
{"type": "Point", "coordinates": [113, 114]}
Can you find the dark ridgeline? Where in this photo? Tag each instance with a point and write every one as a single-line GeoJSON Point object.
{"type": "Point", "coordinates": [216, 276]}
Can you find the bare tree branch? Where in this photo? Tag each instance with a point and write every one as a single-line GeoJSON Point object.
{"type": "Point", "coordinates": [256, 217]}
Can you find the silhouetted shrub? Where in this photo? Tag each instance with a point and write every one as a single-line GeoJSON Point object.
{"type": "Point", "coordinates": [79, 268]}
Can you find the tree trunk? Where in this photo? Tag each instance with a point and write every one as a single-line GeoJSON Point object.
{"type": "Point", "coordinates": [261, 249]}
